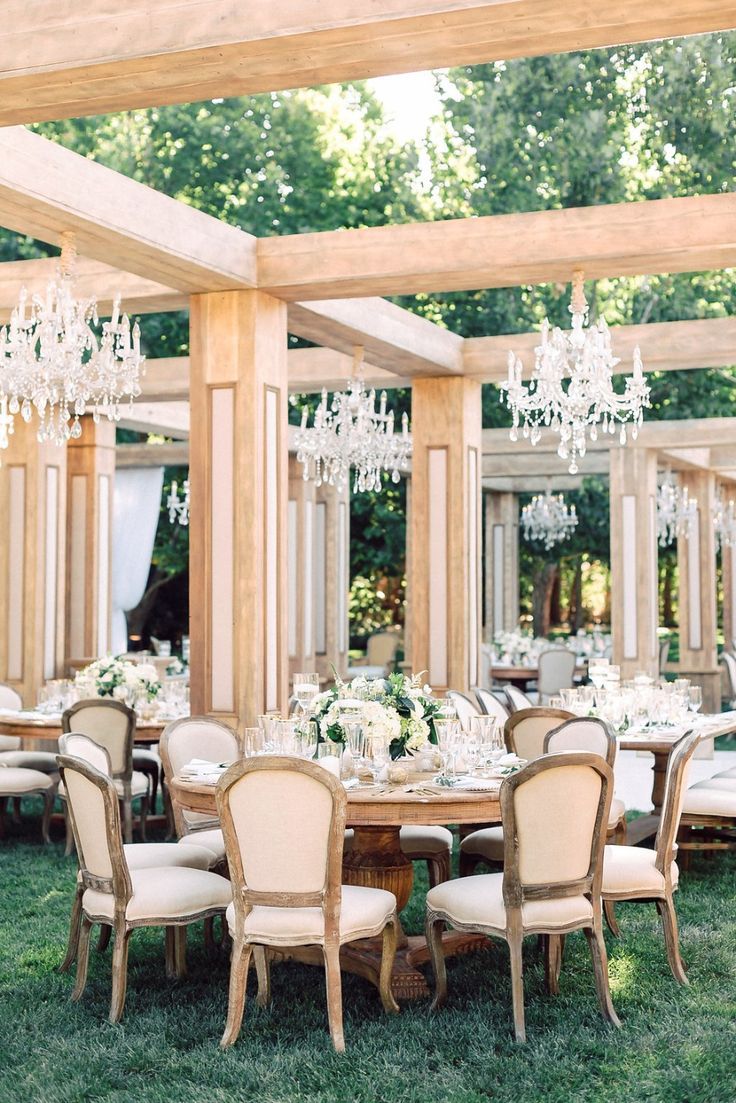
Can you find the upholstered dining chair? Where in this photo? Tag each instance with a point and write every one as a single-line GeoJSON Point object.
{"type": "Point", "coordinates": [11, 753]}
{"type": "Point", "coordinates": [126, 899]}
{"type": "Point", "coordinates": [589, 733]}
{"type": "Point", "coordinates": [556, 672]}
{"type": "Point", "coordinates": [137, 855]}
{"type": "Point", "coordinates": [181, 741]}
{"type": "Point", "coordinates": [465, 708]}
{"type": "Point", "coordinates": [284, 824]}
{"type": "Point", "coordinates": [651, 875]}
{"type": "Point", "coordinates": [729, 661]}
{"type": "Point", "coordinates": [112, 725]}
{"type": "Point", "coordinates": [554, 812]}
{"type": "Point", "coordinates": [19, 781]}
{"type": "Point", "coordinates": [524, 733]}
{"type": "Point", "coordinates": [709, 815]}
{"type": "Point", "coordinates": [516, 698]}
{"type": "Point", "coordinates": [490, 705]}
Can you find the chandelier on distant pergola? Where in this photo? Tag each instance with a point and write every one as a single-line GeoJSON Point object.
{"type": "Point", "coordinates": [178, 507]}
{"type": "Point", "coordinates": [350, 432]}
{"type": "Point", "coordinates": [548, 519]}
{"type": "Point", "coordinates": [571, 389]}
{"type": "Point", "coordinates": [57, 361]}
{"type": "Point", "coordinates": [724, 522]}
{"type": "Point", "coordinates": [676, 511]}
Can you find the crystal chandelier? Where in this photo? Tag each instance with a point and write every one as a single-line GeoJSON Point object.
{"type": "Point", "coordinates": [724, 522]}
{"type": "Point", "coordinates": [350, 432]}
{"type": "Point", "coordinates": [178, 507]}
{"type": "Point", "coordinates": [548, 519]}
{"type": "Point", "coordinates": [6, 422]}
{"type": "Point", "coordinates": [676, 511]}
{"type": "Point", "coordinates": [54, 362]}
{"type": "Point", "coordinates": [585, 359]}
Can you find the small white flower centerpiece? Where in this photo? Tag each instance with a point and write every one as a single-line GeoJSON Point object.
{"type": "Point", "coordinates": [398, 710]}
{"type": "Point", "coordinates": [118, 678]}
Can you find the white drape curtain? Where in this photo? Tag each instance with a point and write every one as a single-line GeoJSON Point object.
{"type": "Point", "coordinates": [135, 519]}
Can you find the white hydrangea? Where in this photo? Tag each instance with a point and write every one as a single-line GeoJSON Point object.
{"type": "Point", "coordinates": [416, 732]}
{"type": "Point", "coordinates": [379, 722]}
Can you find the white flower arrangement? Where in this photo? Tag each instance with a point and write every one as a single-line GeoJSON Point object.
{"type": "Point", "coordinates": [118, 678]}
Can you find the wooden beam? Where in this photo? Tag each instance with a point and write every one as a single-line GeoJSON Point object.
{"type": "Point", "coordinates": [531, 484]}
{"type": "Point", "coordinates": [45, 189]}
{"type": "Point", "coordinates": [62, 61]}
{"type": "Point", "coordinates": [152, 455]}
{"type": "Point", "coordinates": [697, 233]}
{"type": "Point", "coordinates": [171, 419]}
{"type": "Point", "coordinates": [529, 464]}
{"type": "Point", "coordinates": [693, 433]}
{"type": "Point", "coordinates": [312, 369]}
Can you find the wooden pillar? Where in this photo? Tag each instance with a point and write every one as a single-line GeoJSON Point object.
{"type": "Point", "coordinates": [239, 489]}
{"type": "Point", "coordinates": [331, 579]}
{"type": "Point", "coordinates": [90, 479]}
{"type": "Point", "coordinates": [32, 562]}
{"type": "Point", "coordinates": [501, 567]}
{"type": "Point", "coordinates": [301, 546]}
{"type": "Point", "coordinates": [728, 566]}
{"type": "Point", "coordinates": [696, 557]}
{"type": "Point", "coordinates": [634, 594]}
{"type": "Point", "coordinates": [445, 531]}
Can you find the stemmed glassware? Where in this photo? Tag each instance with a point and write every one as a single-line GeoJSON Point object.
{"type": "Point", "coordinates": [695, 698]}
{"type": "Point", "coordinates": [305, 688]}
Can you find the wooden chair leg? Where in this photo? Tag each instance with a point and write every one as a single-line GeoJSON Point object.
{"type": "Point", "coordinates": [553, 948]}
{"type": "Point", "coordinates": [609, 910]}
{"type": "Point", "coordinates": [210, 944]}
{"type": "Point", "coordinates": [434, 928]}
{"type": "Point", "coordinates": [668, 915]}
{"type": "Point", "coordinates": [517, 987]}
{"type": "Point", "coordinates": [82, 959]}
{"type": "Point", "coordinates": [439, 868]}
{"type": "Point", "coordinates": [236, 999]}
{"type": "Point", "coordinates": [263, 971]}
{"type": "Point", "coordinates": [388, 955]}
{"type": "Point", "coordinates": [75, 921]}
{"type": "Point", "coordinates": [468, 864]}
{"type": "Point", "coordinates": [69, 835]}
{"type": "Point", "coordinates": [48, 807]}
{"type": "Point", "coordinates": [16, 811]}
{"type": "Point", "coordinates": [597, 947]}
{"type": "Point", "coordinates": [142, 817]}
{"type": "Point", "coordinates": [180, 952]}
{"type": "Point", "coordinates": [103, 939]}
{"type": "Point", "coordinates": [3, 803]}
{"type": "Point", "coordinates": [333, 984]}
{"type": "Point", "coordinates": [119, 975]}
{"type": "Point", "coordinates": [170, 952]}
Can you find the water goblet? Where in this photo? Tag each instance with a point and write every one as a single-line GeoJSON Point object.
{"type": "Point", "coordinates": [305, 688]}
{"type": "Point", "coordinates": [695, 698]}
{"type": "Point", "coordinates": [306, 737]}
{"type": "Point", "coordinates": [254, 742]}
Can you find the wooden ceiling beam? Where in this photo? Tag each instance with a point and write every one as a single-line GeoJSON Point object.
{"type": "Point", "coordinates": [152, 455]}
{"type": "Point", "coordinates": [66, 60]}
{"type": "Point", "coordinates": [708, 432]}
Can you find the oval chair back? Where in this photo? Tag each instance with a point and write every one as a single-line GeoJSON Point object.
{"type": "Point", "coordinates": [524, 731]}
{"type": "Point", "coordinates": [76, 745]}
{"type": "Point", "coordinates": [517, 699]}
{"type": "Point", "coordinates": [556, 671]}
{"type": "Point", "coordinates": [491, 705]}
{"type": "Point", "coordinates": [195, 737]}
{"type": "Point", "coordinates": [729, 661]}
{"type": "Point", "coordinates": [583, 733]}
{"type": "Point", "coordinates": [109, 723]}
{"type": "Point", "coordinates": [675, 786]}
{"type": "Point", "coordinates": [466, 709]}
{"type": "Point", "coordinates": [9, 699]}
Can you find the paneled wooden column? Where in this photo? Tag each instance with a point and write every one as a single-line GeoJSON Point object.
{"type": "Point", "coordinates": [728, 566]}
{"type": "Point", "coordinates": [32, 561]}
{"type": "Point", "coordinates": [696, 559]}
{"type": "Point", "coordinates": [634, 595]}
{"type": "Point", "coordinates": [301, 541]}
{"type": "Point", "coordinates": [331, 579]}
{"type": "Point", "coordinates": [501, 566]}
{"type": "Point", "coordinates": [90, 479]}
{"type": "Point", "coordinates": [445, 556]}
{"type": "Point", "coordinates": [239, 488]}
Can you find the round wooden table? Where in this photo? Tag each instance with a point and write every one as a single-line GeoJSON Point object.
{"type": "Point", "coordinates": [34, 730]}
{"type": "Point", "coordinates": [520, 675]}
{"type": "Point", "coordinates": [376, 860]}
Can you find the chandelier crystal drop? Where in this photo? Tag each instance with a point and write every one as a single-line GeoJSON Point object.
{"type": "Point", "coordinates": [350, 432]}
{"type": "Point", "coordinates": [676, 511]}
{"type": "Point", "coordinates": [6, 423]}
{"type": "Point", "coordinates": [178, 507]}
{"type": "Point", "coordinates": [56, 359]}
{"type": "Point", "coordinates": [548, 519]}
{"type": "Point", "coordinates": [724, 522]}
{"type": "Point", "coordinates": [571, 390]}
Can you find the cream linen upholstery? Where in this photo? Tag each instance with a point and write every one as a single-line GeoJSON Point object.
{"type": "Point", "coordinates": [157, 855]}
{"type": "Point", "coordinates": [563, 852]}
{"type": "Point", "coordinates": [516, 698]}
{"type": "Point", "coordinates": [196, 737]}
{"type": "Point", "coordinates": [479, 900]}
{"type": "Point", "coordinates": [717, 782]}
{"type": "Point", "coordinates": [629, 869]}
{"type": "Point", "coordinates": [525, 730]}
{"type": "Point", "coordinates": [702, 800]}
{"type": "Point", "coordinates": [491, 705]}
{"type": "Point", "coordinates": [465, 708]}
{"type": "Point", "coordinates": [165, 893]}
{"type": "Point", "coordinates": [556, 671]}
{"type": "Point", "coordinates": [138, 786]}
{"type": "Point", "coordinates": [727, 774]}
{"type": "Point", "coordinates": [9, 699]}
{"type": "Point", "coordinates": [588, 733]}
{"type": "Point", "coordinates": [364, 912]}
{"type": "Point", "coordinates": [15, 781]}
{"type": "Point", "coordinates": [211, 841]}
{"type": "Point", "coordinates": [45, 761]}
{"type": "Point", "coordinates": [416, 841]}
{"type": "Point", "coordinates": [284, 825]}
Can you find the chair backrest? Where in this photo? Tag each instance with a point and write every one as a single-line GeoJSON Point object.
{"type": "Point", "coordinates": [730, 664]}
{"type": "Point", "coordinates": [81, 746]}
{"type": "Point", "coordinates": [381, 648]}
{"type": "Point", "coordinates": [9, 698]}
{"type": "Point", "coordinates": [284, 822]}
{"type": "Point", "coordinates": [95, 819]}
{"type": "Point", "coordinates": [664, 650]}
{"type": "Point", "coordinates": [556, 671]}
{"type": "Point", "coordinates": [195, 737]}
{"type": "Point", "coordinates": [555, 812]}
{"type": "Point", "coordinates": [109, 723]}
{"type": "Point", "coordinates": [466, 709]}
{"type": "Point", "coordinates": [675, 785]}
{"type": "Point", "coordinates": [491, 705]}
{"type": "Point", "coordinates": [524, 731]}
{"type": "Point", "coordinates": [516, 698]}
{"type": "Point", "coordinates": [485, 662]}
{"type": "Point", "coordinates": [583, 733]}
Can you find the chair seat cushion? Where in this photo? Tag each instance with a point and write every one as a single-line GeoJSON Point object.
{"type": "Point", "coordinates": [164, 893]}
{"type": "Point", "coordinates": [631, 869]}
{"type": "Point", "coordinates": [416, 842]}
{"type": "Point", "coordinates": [138, 786]}
{"type": "Point", "coordinates": [718, 781]}
{"type": "Point", "coordinates": [364, 912]}
{"type": "Point", "coordinates": [618, 809]}
{"type": "Point", "coordinates": [159, 855]}
{"type": "Point", "coordinates": [15, 780]}
{"type": "Point", "coordinates": [703, 799]}
{"type": "Point", "coordinates": [45, 761]}
{"type": "Point", "coordinates": [728, 773]}
{"type": "Point", "coordinates": [478, 902]}
{"type": "Point", "coordinates": [212, 840]}
{"type": "Point", "coordinates": [486, 843]}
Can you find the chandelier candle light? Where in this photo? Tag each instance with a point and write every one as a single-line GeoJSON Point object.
{"type": "Point", "coordinates": [548, 518]}
{"type": "Point", "coordinates": [585, 359]}
{"type": "Point", "coordinates": [350, 432]}
{"type": "Point", "coordinates": [178, 507]}
{"type": "Point", "coordinates": [676, 511]}
{"type": "Point", "coordinates": [54, 362]}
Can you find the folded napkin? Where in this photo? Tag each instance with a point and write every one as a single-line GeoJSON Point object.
{"type": "Point", "coordinates": [200, 768]}
{"type": "Point", "coordinates": [507, 760]}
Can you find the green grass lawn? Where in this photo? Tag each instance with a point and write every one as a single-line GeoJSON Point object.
{"type": "Point", "coordinates": [676, 1046]}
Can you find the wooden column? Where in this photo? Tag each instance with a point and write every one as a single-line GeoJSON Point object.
{"type": "Point", "coordinates": [501, 566]}
{"type": "Point", "coordinates": [444, 563]}
{"type": "Point", "coordinates": [332, 579]}
{"type": "Point", "coordinates": [90, 480]}
{"type": "Point", "coordinates": [634, 596]}
{"type": "Point", "coordinates": [728, 566]}
{"type": "Point", "coordinates": [32, 561]}
{"type": "Point", "coordinates": [239, 489]}
{"type": "Point", "coordinates": [301, 546]}
{"type": "Point", "coordinates": [696, 557]}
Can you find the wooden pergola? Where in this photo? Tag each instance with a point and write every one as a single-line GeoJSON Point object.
{"type": "Point", "coordinates": [245, 295]}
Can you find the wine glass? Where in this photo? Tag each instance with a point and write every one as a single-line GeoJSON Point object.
{"type": "Point", "coordinates": [305, 688]}
{"type": "Point", "coordinates": [306, 737]}
{"type": "Point", "coordinates": [694, 698]}
{"type": "Point", "coordinates": [254, 742]}
{"type": "Point", "coordinates": [377, 755]}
